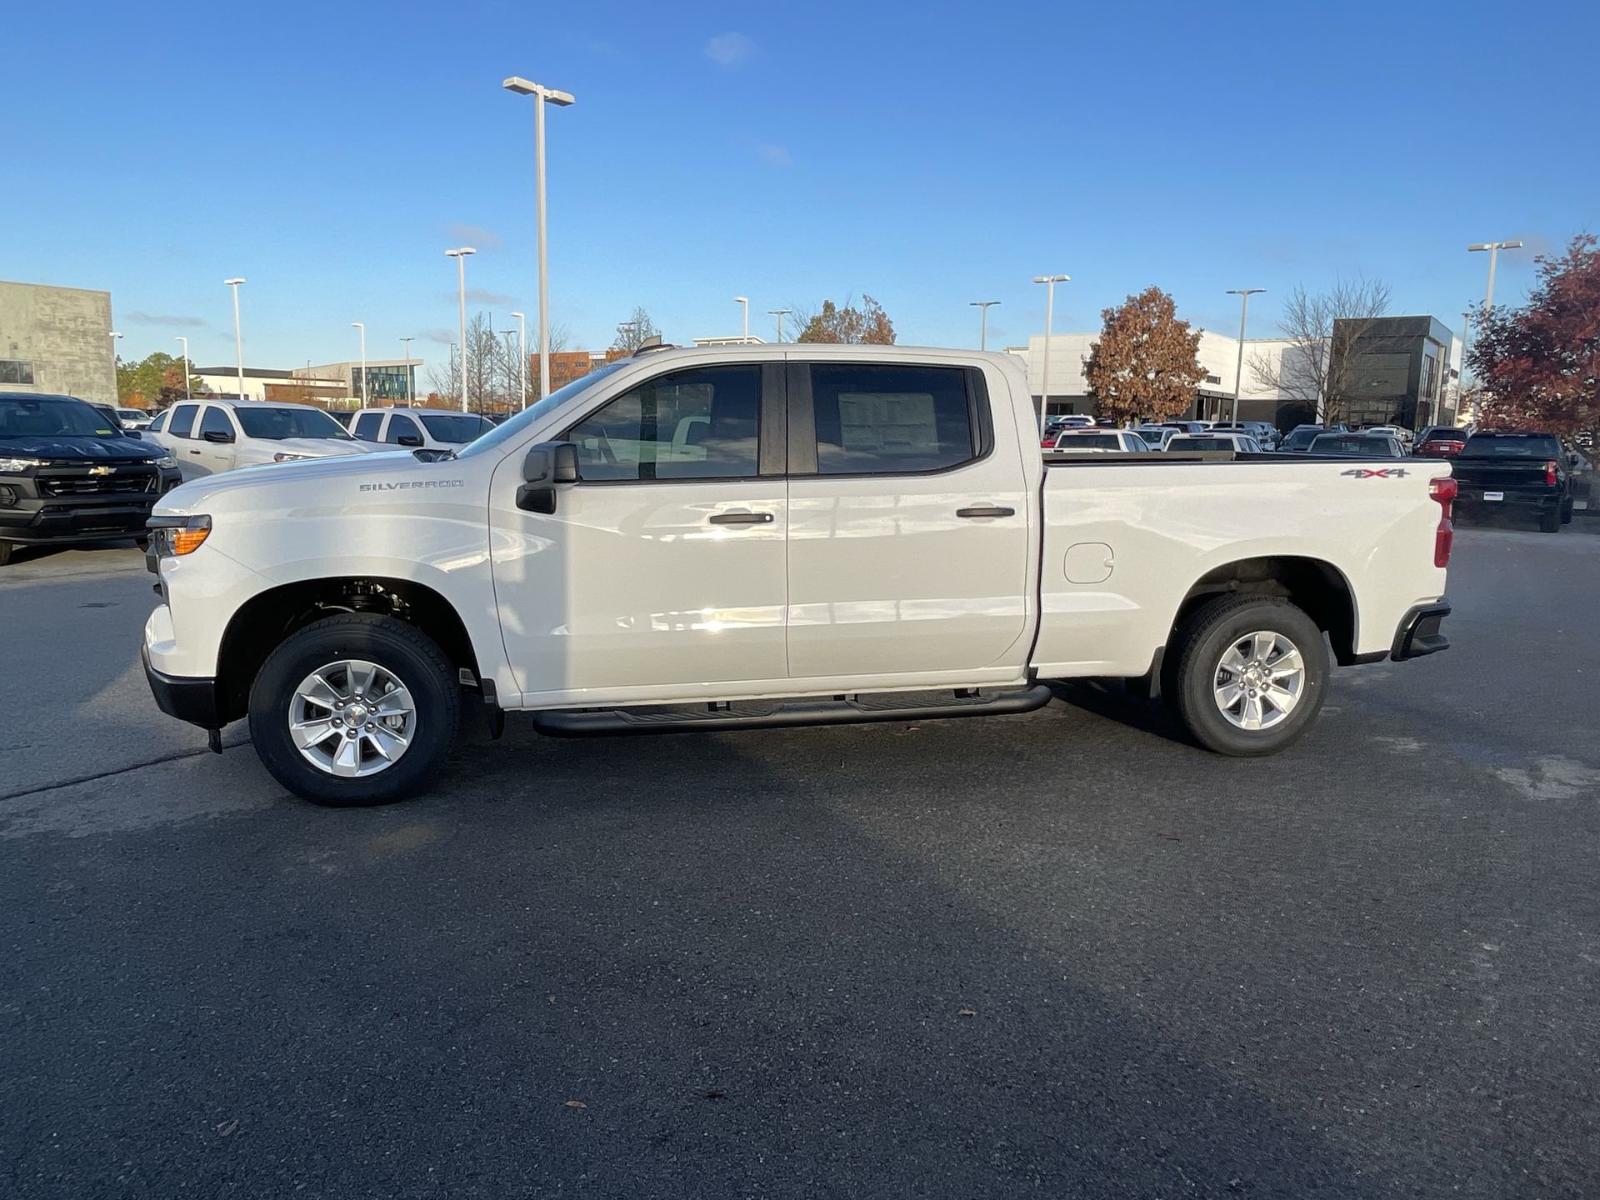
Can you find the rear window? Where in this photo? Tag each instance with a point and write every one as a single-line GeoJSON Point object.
{"type": "Point", "coordinates": [1512, 445]}
{"type": "Point", "coordinates": [1202, 443]}
{"type": "Point", "coordinates": [1089, 441]}
{"type": "Point", "coordinates": [880, 419]}
{"type": "Point", "coordinates": [1336, 443]}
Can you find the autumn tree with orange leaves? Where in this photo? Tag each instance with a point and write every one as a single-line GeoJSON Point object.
{"type": "Point", "coordinates": [1540, 364]}
{"type": "Point", "coordinates": [1146, 364]}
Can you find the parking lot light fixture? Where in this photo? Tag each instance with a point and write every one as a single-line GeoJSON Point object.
{"type": "Point", "coordinates": [983, 307]}
{"type": "Point", "coordinates": [1494, 249]}
{"type": "Point", "coordinates": [541, 96]}
{"type": "Point", "coordinates": [238, 337]}
{"type": "Point", "coordinates": [1049, 282]}
{"type": "Point", "coordinates": [780, 314]}
{"type": "Point", "coordinates": [460, 255]}
{"type": "Point", "coordinates": [1244, 295]}
{"type": "Point", "coordinates": [745, 301]}
{"type": "Point", "coordinates": [522, 356]}
{"type": "Point", "coordinates": [115, 338]}
{"type": "Point", "coordinates": [187, 395]}
{"type": "Point", "coordinates": [406, 342]}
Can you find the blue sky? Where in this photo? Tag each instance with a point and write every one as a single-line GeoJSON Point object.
{"type": "Point", "coordinates": [926, 154]}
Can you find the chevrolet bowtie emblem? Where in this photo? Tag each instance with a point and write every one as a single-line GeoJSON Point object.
{"type": "Point", "coordinates": [102, 470]}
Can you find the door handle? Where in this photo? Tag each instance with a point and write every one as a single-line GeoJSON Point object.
{"type": "Point", "coordinates": [194, 452]}
{"type": "Point", "coordinates": [742, 518]}
{"type": "Point", "coordinates": [986, 510]}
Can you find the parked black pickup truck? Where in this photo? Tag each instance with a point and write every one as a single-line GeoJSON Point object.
{"type": "Point", "coordinates": [1523, 474]}
{"type": "Point", "coordinates": [67, 474]}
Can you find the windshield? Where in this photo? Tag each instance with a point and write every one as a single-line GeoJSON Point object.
{"type": "Point", "coordinates": [501, 434]}
{"type": "Point", "coordinates": [1300, 439]}
{"type": "Point", "coordinates": [455, 428]}
{"type": "Point", "coordinates": [275, 424]}
{"type": "Point", "coordinates": [1337, 443]}
{"type": "Point", "coordinates": [1491, 445]}
{"type": "Point", "coordinates": [52, 416]}
{"type": "Point", "coordinates": [1202, 443]}
{"type": "Point", "coordinates": [1152, 436]}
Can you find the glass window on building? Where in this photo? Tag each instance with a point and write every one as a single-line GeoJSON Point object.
{"type": "Point", "coordinates": [383, 383]}
{"type": "Point", "coordinates": [13, 370]}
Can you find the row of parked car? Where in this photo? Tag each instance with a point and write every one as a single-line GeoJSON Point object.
{"type": "Point", "coordinates": [1082, 434]}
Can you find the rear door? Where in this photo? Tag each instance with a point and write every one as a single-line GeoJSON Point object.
{"type": "Point", "coordinates": [368, 427]}
{"type": "Point", "coordinates": [908, 532]}
{"type": "Point", "coordinates": [181, 437]}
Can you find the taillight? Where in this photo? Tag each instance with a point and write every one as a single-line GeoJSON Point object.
{"type": "Point", "coordinates": [1550, 473]}
{"type": "Point", "coordinates": [1444, 491]}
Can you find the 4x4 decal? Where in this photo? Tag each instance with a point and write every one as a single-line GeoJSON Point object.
{"type": "Point", "coordinates": [1377, 472]}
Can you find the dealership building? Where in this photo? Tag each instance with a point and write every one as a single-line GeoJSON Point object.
{"type": "Point", "coordinates": [57, 340]}
{"type": "Point", "coordinates": [1400, 370]}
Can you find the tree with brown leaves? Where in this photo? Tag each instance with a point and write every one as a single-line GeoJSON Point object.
{"type": "Point", "coordinates": [1540, 364]}
{"type": "Point", "coordinates": [868, 325]}
{"type": "Point", "coordinates": [1145, 365]}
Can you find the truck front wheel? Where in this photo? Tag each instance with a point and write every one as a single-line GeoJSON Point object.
{"type": "Point", "coordinates": [1251, 674]}
{"type": "Point", "coordinates": [355, 709]}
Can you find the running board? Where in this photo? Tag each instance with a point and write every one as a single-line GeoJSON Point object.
{"type": "Point", "coordinates": [849, 709]}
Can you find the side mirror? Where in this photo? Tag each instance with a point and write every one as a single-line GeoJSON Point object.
{"type": "Point", "coordinates": [134, 434]}
{"type": "Point", "coordinates": [409, 439]}
{"type": "Point", "coordinates": [547, 464]}
{"type": "Point", "coordinates": [220, 436]}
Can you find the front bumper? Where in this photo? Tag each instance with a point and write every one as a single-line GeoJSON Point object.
{"type": "Point", "coordinates": [1418, 634]}
{"type": "Point", "coordinates": [191, 700]}
{"type": "Point", "coordinates": [30, 516]}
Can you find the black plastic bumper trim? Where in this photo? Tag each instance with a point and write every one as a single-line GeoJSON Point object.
{"type": "Point", "coordinates": [779, 714]}
{"type": "Point", "coordinates": [1418, 634]}
{"type": "Point", "coordinates": [188, 699]}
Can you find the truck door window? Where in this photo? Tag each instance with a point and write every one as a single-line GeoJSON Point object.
{"type": "Point", "coordinates": [884, 419]}
{"type": "Point", "coordinates": [400, 427]}
{"type": "Point", "coordinates": [367, 426]}
{"type": "Point", "coordinates": [701, 423]}
{"type": "Point", "coordinates": [182, 420]}
{"type": "Point", "coordinates": [215, 421]}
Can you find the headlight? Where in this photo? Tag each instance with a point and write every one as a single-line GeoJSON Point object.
{"type": "Point", "coordinates": [280, 457]}
{"type": "Point", "coordinates": [167, 463]}
{"type": "Point", "coordinates": [178, 535]}
{"type": "Point", "coordinates": [12, 465]}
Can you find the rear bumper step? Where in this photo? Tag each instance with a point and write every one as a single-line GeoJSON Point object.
{"type": "Point", "coordinates": [772, 714]}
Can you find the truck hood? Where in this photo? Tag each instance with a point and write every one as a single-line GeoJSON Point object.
{"type": "Point", "coordinates": [310, 447]}
{"type": "Point", "coordinates": [86, 448]}
{"type": "Point", "coordinates": [332, 479]}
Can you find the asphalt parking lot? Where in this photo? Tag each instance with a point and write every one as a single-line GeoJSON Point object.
{"type": "Point", "coordinates": [1057, 954]}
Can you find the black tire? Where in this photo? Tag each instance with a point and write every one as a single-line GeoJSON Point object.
{"type": "Point", "coordinates": [1566, 513]}
{"type": "Point", "coordinates": [401, 649]}
{"type": "Point", "coordinates": [1206, 635]}
{"type": "Point", "coordinates": [5, 552]}
{"type": "Point", "coordinates": [1550, 522]}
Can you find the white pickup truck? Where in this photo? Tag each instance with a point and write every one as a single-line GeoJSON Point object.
{"type": "Point", "coordinates": [740, 537]}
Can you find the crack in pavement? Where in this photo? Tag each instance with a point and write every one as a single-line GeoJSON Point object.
{"type": "Point", "coordinates": [138, 766]}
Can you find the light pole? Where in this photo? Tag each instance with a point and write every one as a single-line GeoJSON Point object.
{"type": "Point", "coordinates": [238, 338]}
{"type": "Point", "coordinates": [115, 338]}
{"type": "Point", "coordinates": [363, 329]}
{"type": "Point", "coordinates": [525, 87]}
{"type": "Point", "coordinates": [406, 342]}
{"type": "Point", "coordinates": [186, 385]}
{"type": "Point", "coordinates": [460, 255]}
{"type": "Point", "coordinates": [522, 356]}
{"type": "Point", "coordinates": [745, 300]}
{"type": "Point", "coordinates": [983, 307]}
{"type": "Point", "coordinates": [779, 313]}
{"type": "Point", "coordinates": [1049, 282]}
{"type": "Point", "coordinates": [1494, 249]}
{"type": "Point", "coordinates": [1244, 295]}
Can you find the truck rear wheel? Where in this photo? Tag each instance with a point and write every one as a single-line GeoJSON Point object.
{"type": "Point", "coordinates": [1550, 522]}
{"type": "Point", "coordinates": [355, 709]}
{"type": "Point", "coordinates": [5, 553]}
{"type": "Point", "coordinates": [1251, 674]}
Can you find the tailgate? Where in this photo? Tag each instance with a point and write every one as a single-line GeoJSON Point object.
{"type": "Point", "coordinates": [1497, 474]}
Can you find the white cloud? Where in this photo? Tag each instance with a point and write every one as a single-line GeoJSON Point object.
{"type": "Point", "coordinates": [475, 236]}
{"type": "Point", "coordinates": [167, 320]}
{"type": "Point", "coordinates": [730, 49]}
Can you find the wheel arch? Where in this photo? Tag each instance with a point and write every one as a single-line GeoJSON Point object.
{"type": "Point", "coordinates": [1314, 585]}
{"type": "Point", "coordinates": [267, 618]}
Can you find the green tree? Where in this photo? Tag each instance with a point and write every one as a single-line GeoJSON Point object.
{"type": "Point", "coordinates": [154, 382]}
{"type": "Point", "coordinates": [1146, 363]}
{"type": "Point", "coordinates": [868, 325]}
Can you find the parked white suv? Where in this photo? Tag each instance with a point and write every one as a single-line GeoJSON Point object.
{"type": "Point", "coordinates": [211, 436]}
{"type": "Point", "coordinates": [738, 537]}
{"type": "Point", "coordinates": [418, 428]}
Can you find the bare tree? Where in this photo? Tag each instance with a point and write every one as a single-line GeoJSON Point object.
{"type": "Point", "coordinates": [493, 382]}
{"type": "Point", "coordinates": [1321, 328]}
{"type": "Point", "coordinates": [635, 331]}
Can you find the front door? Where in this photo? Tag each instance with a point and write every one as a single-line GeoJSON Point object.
{"type": "Point", "coordinates": [661, 573]}
{"type": "Point", "coordinates": [216, 456]}
{"type": "Point", "coordinates": [908, 525]}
